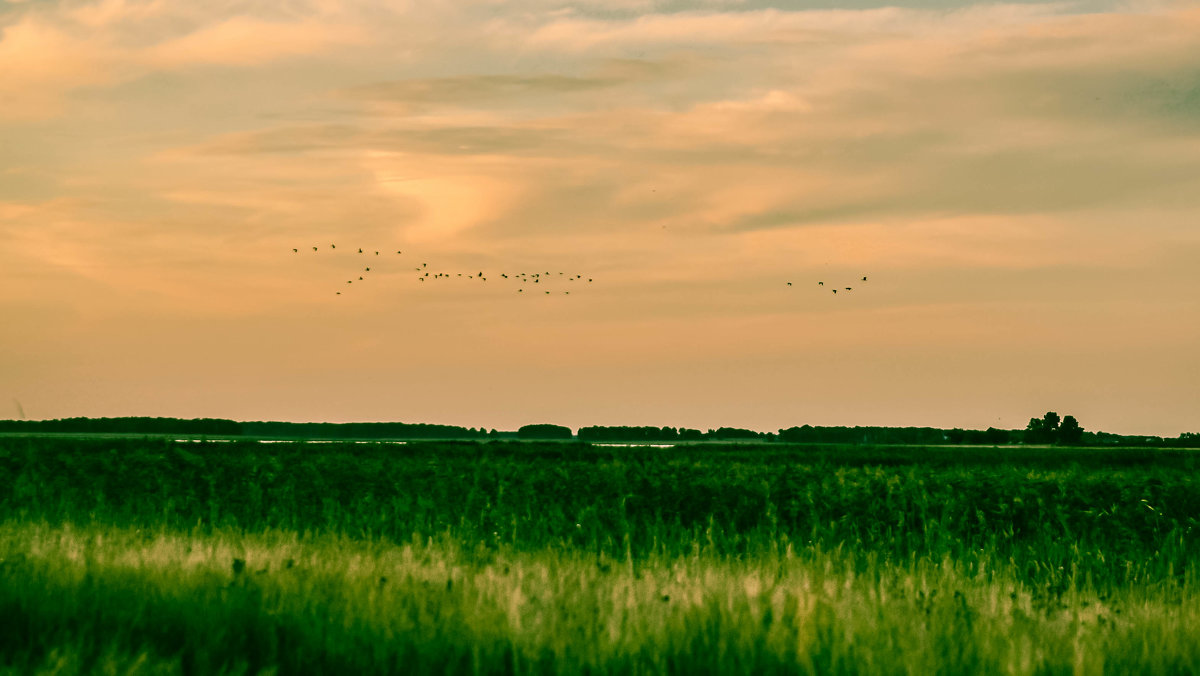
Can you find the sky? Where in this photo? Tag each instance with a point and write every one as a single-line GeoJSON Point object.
{"type": "Point", "coordinates": [1019, 184]}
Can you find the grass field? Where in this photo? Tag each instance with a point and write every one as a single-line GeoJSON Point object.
{"type": "Point", "coordinates": [147, 556]}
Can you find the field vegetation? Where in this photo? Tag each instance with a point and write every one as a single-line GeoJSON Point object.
{"type": "Point", "coordinates": [150, 556]}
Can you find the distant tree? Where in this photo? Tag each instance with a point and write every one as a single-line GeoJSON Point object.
{"type": "Point", "coordinates": [1051, 420]}
{"type": "Point", "coordinates": [544, 432]}
{"type": "Point", "coordinates": [724, 433]}
{"type": "Point", "coordinates": [1052, 429]}
{"type": "Point", "coordinates": [1189, 440]}
{"type": "Point", "coordinates": [1070, 433]}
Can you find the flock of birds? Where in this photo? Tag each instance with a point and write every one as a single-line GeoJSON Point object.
{"type": "Point", "coordinates": [534, 281]}
{"type": "Point", "coordinates": [848, 288]}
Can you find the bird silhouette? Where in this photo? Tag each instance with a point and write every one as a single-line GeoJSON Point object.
{"type": "Point", "coordinates": [295, 251]}
{"type": "Point", "coordinates": [847, 288]}
{"type": "Point", "coordinates": [789, 283]}
{"type": "Point", "coordinates": [835, 290]}
{"type": "Point", "coordinates": [332, 246]}
{"type": "Point", "coordinates": [360, 250]}
{"type": "Point", "coordinates": [821, 283]}
{"type": "Point", "coordinates": [314, 248]}
{"type": "Point", "coordinates": [864, 279]}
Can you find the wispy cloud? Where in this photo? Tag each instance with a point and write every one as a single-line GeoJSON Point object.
{"type": "Point", "coordinates": [1028, 168]}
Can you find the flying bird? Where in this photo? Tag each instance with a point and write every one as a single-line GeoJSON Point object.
{"type": "Point", "coordinates": [821, 283]}
{"type": "Point", "coordinates": [864, 279]}
{"type": "Point", "coordinates": [789, 283]}
{"type": "Point", "coordinates": [295, 251]}
{"type": "Point", "coordinates": [360, 250]}
{"type": "Point", "coordinates": [314, 248]}
{"type": "Point", "coordinates": [835, 290]}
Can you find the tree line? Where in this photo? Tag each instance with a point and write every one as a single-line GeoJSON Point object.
{"type": "Point", "coordinates": [1049, 429]}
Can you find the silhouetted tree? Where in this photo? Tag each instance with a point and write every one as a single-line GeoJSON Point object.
{"type": "Point", "coordinates": [544, 432]}
{"type": "Point", "coordinates": [1070, 433]}
{"type": "Point", "coordinates": [1042, 430]}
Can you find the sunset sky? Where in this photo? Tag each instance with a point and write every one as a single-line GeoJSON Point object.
{"type": "Point", "coordinates": [1020, 183]}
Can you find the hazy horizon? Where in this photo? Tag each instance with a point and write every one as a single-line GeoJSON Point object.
{"type": "Point", "coordinates": [1019, 183]}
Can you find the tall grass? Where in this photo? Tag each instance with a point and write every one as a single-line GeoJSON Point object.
{"type": "Point", "coordinates": [225, 601]}
{"type": "Point", "coordinates": [146, 556]}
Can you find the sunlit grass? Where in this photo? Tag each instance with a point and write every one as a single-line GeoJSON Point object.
{"type": "Point", "coordinates": [144, 556]}
{"type": "Point", "coordinates": [75, 599]}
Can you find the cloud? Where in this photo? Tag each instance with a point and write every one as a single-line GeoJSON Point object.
{"type": "Point", "coordinates": [244, 41]}
{"type": "Point", "coordinates": [50, 51]}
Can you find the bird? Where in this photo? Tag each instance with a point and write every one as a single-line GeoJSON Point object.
{"type": "Point", "coordinates": [789, 283]}
{"type": "Point", "coordinates": [314, 248]}
{"type": "Point", "coordinates": [339, 293]}
{"type": "Point", "coordinates": [864, 279]}
{"type": "Point", "coordinates": [295, 251]}
{"type": "Point", "coordinates": [821, 283]}
{"type": "Point", "coordinates": [847, 288]}
{"type": "Point", "coordinates": [376, 253]}
{"type": "Point", "coordinates": [835, 290]}
{"type": "Point", "coordinates": [360, 250]}
{"type": "Point", "coordinates": [332, 246]}
{"type": "Point", "coordinates": [360, 279]}
{"type": "Point", "coordinates": [368, 269]}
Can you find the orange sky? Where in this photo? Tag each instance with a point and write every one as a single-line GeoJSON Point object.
{"type": "Point", "coordinates": [1020, 184]}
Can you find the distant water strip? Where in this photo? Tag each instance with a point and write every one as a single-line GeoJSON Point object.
{"type": "Point", "coordinates": [636, 445]}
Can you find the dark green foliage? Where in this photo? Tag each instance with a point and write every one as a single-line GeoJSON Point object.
{"type": "Point", "coordinates": [1070, 432]}
{"type": "Point", "coordinates": [229, 428]}
{"type": "Point", "coordinates": [544, 432]}
{"type": "Point", "coordinates": [1113, 507]}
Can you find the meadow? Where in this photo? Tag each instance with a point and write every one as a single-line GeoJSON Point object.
{"type": "Point", "coordinates": [152, 556]}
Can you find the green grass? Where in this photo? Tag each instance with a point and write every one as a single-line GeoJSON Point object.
{"type": "Point", "coordinates": [120, 556]}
